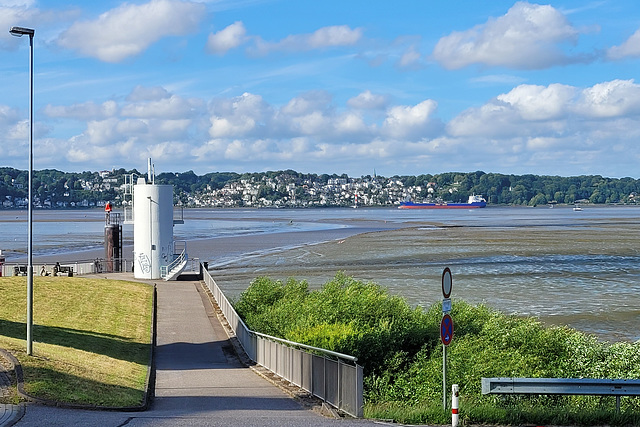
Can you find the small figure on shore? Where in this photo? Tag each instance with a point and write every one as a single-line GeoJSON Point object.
{"type": "Point", "coordinates": [43, 271]}
{"type": "Point", "coordinates": [56, 269]}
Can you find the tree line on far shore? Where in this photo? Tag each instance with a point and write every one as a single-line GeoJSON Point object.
{"type": "Point", "coordinates": [56, 186]}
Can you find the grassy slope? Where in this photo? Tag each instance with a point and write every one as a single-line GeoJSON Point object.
{"type": "Point", "coordinates": [92, 338]}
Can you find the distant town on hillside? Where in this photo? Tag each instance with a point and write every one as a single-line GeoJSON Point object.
{"type": "Point", "coordinates": [291, 189]}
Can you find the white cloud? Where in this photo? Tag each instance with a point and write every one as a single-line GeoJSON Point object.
{"type": "Point", "coordinates": [410, 58]}
{"type": "Point", "coordinates": [8, 115]}
{"type": "Point", "coordinates": [307, 103]}
{"type": "Point", "coordinates": [528, 36]}
{"type": "Point", "coordinates": [240, 116]}
{"type": "Point", "coordinates": [145, 93]}
{"type": "Point", "coordinates": [17, 3]}
{"type": "Point", "coordinates": [85, 111]}
{"type": "Point", "coordinates": [314, 123]}
{"type": "Point", "coordinates": [501, 79]}
{"type": "Point", "coordinates": [18, 131]}
{"type": "Point", "coordinates": [552, 128]}
{"type": "Point", "coordinates": [368, 101]}
{"type": "Point", "coordinates": [630, 48]}
{"type": "Point", "coordinates": [350, 123]}
{"type": "Point", "coordinates": [229, 38]}
{"type": "Point", "coordinates": [78, 151]}
{"type": "Point", "coordinates": [525, 110]}
{"type": "Point", "coordinates": [411, 122]}
{"type": "Point", "coordinates": [173, 128]}
{"type": "Point", "coordinates": [337, 35]}
{"type": "Point", "coordinates": [494, 119]}
{"type": "Point", "coordinates": [127, 127]}
{"type": "Point", "coordinates": [130, 28]}
{"type": "Point", "coordinates": [223, 127]}
{"type": "Point", "coordinates": [517, 129]}
{"type": "Point", "coordinates": [173, 107]}
{"type": "Point", "coordinates": [615, 98]}
{"type": "Point", "coordinates": [101, 132]}
{"type": "Point", "coordinates": [246, 104]}
{"type": "Point", "coordinates": [539, 102]}
{"type": "Point", "coordinates": [167, 151]}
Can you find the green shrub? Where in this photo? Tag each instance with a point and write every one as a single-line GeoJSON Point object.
{"type": "Point", "coordinates": [346, 316]}
{"type": "Point", "coordinates": [400, 350]}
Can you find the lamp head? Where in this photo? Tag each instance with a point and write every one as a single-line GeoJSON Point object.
{"type": "Point", "coordinates": [21, 31]}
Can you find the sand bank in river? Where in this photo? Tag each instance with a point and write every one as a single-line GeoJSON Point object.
{"type": "Point", "coordinates": [225, 249]}
{"type": "Point", "coordinates": [585, 276]}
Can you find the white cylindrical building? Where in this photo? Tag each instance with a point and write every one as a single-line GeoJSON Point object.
{"type": "Point", "coordinates": [152, 229]}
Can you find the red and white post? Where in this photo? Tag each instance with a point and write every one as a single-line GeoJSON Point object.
{"type": "Point", "coordinates": [454, 405]}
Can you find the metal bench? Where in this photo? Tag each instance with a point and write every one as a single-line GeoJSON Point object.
{"type": "Point", "coordinates": [64, 270]}
{"type": "Point", "coordinates": [20, 270]}
{"type": "Point", "coordinates": [564, 386]}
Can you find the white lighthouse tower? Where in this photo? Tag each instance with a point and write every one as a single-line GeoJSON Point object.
{"type": "Point", "coordinates": [154, 250]}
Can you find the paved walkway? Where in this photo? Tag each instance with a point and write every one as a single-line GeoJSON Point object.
{"type": "Point", "coordinates": [199, 381]}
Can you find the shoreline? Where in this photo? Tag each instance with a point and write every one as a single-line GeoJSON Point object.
{"type": "Point", "coordinates": [536, 271]}
{"type": "Point", "coordinates": [231, 247]}
{"type": "Point", "coordinates": [579, 270]}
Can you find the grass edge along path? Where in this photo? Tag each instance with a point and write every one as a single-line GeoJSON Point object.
{"type": "Point", "coordinates": [92, 339]}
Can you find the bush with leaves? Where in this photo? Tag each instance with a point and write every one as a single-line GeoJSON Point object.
{"type": "Point", "coordinates": [400, 350]}
{"type": "Point", "coordinates": [346, 316]}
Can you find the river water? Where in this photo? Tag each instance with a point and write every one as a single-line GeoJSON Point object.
{"type": "Point", "coordinates": [580, 269]}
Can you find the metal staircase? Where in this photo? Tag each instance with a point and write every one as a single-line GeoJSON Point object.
{"type": "Point", "coordinates": [127, 202]}
{"type": "Point", "coordinates": [177, 266]}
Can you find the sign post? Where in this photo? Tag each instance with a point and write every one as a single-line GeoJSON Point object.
{"type": "Point", "coordinates": [446, 329]}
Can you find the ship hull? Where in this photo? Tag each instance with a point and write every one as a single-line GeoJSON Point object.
{"type": "Point", "coordinates": [411, 205]}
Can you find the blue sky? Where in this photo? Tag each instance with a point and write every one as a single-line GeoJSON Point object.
{"type": "Point", "coordinates": [402, 87]}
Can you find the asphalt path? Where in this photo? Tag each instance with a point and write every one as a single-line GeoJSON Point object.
{"type": "Point", "coordinates": [199, 380]}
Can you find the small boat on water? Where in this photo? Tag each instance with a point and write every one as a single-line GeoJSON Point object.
{"type": "Point", "coordinates": [577, 208]}
{"type": "Point", "coordinates": [473, 203]}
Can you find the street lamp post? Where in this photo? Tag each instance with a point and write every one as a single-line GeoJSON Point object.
{"type": "Point", "coordinates": [19, 32]}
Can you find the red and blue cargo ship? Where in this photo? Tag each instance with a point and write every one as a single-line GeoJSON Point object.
{"type": "Point", "coordinates": [473, 203]}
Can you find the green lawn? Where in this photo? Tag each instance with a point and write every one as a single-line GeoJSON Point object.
{"type": "Point", "coordinates": [91, 338]}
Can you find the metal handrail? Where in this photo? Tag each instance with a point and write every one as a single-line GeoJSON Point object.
{"type": "Point", "coordinates": [338, 384]}
{"type": "Point", "coordinates": [179, 259]}
{"type": "Point", "coordinates": [308, 347]}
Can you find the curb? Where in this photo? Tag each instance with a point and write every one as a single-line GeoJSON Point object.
{"type": "Point", "coordinates": [9, 413]}
{"type": "Point", "coordinates": [149, 386]}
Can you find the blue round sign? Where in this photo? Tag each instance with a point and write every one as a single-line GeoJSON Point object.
{"type": "Point", "coordinates": [446, 329]}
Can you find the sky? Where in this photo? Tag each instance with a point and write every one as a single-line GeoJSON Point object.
{"type": "Point", "coordinates": [392, 87]}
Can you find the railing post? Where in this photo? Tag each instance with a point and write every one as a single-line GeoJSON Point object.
{"type": "Point", "coordinates": [324, 378]}
{"type": "Point", "coordinates": [339, 383]}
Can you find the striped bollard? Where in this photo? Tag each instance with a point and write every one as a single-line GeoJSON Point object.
{"type": "Point", "coordinates": [454, 405]}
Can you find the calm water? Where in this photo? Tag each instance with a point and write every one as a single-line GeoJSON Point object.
{"type": "Point", "coordinates": [63, 230]}
{"type": "Point", "coordinates": [576, 268]}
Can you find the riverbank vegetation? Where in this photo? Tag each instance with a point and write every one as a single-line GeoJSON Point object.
{"type": "Point", "coordinates": [288, 188]}
{"type": "Point", "coordinates": [91, 338]}
{"type": "Point", "coordinates": [400, 350]}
